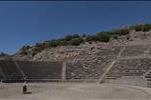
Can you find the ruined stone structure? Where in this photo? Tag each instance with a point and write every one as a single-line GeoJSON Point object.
{"type": "Point", "coordinates": [119, 61]}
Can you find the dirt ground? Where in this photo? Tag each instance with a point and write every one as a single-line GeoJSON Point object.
{"type": "Point", "coordinates": [73, 91]}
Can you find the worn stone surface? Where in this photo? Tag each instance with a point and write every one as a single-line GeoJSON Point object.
{"type": "Point", "coordinates": [90, 61]}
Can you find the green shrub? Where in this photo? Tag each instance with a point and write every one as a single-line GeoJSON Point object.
{"type": "Point", "coordinates": [53, 43]}
{"type": "Point", "coordinates": [104, 37]}
{"type": "Point", "coordinates": [90, 38]}
{"type": "Point", "coordinates": [62, 42]}
{"type": "Point", "coordinates": [70, 37]}
{"type": "Point", "coordinates": [120, 32]}
{"type": "Point", "coordinates": [24, 50]}
{"type": "Point", "coordinates": [137, 27]}
{"type": "Point", "coordinates": [75, 36]}
{"type": "Point", "coordinates": [115, 37]}
{"type": "Point", "coordinates": [146, 27]}
{"type": "Point", "coordinates": [2, 54]}
{"type": "Point", "coordinates": [141, 27]}
{"type": "Point", "coordinates": [76, 41]}
{"type": "Point", "coordinates": [38, 48]}
{"type": "Point", "coordinates": [83, 35]}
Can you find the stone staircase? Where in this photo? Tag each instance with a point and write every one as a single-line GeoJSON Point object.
{"type": "Point", "coordinates": [147, 76]}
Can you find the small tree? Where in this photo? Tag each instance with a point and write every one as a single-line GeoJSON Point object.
{"type": "Point", "coordinates": [91, 38]}
{"type": "Point", "coordinates": [76, 41]}
{"type": "Point", "coordinates": [83, 35]}
{"type": "Point", "coordinates": [2, 54]}
{"type": "Point", "coordinates": [120, 32]}
{"type": "Point", "coordinates": [24, 50]}
{"type": "Point", "coordinates": [104, 37]}
{"type": "Point", "coordinates": [53, 43]}
{"type": "Point", "coordinates": [70, 37]}
{"type": "Point", "coordinates": [63, 42]}
{"type": "Point", "coordinates": [141, 27]}
{"type": "Point", "coordinates": [75, 36]}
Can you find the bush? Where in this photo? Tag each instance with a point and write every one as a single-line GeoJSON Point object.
{"type": "Point", "coordinates": [83, 35]}
{"type": "Point", "coordinates": [38, 48]}
{"type": "Point", "coordinates": [115, 37]}
{"type": "Point", "coordinates": [142, 27]}
{"type": "Point", "coordinates": [104, 37]}
{"type": "Point", "coordinates": [137, 27]}
{"type": "Point", "coordinates": [91, 38]}
{"type": "Point", "coordinates": [75, 36]}
{"type": "Point", "coordinates": [146, 27]}
{"type": "Point", "coordinates": [70, 37]}
{"type": "Point", "coordinates": [2, 54]}
{"type": "Point", "coordinates": [24, 50]}
{"type": "Point", "coordinates": [120, 32]}
{"type": "Point", "coordinates": [76, 41]}
{"type": "Point", "coordinates": [53, 43]}
{"type": "Point", "coordinates": [62, 42]}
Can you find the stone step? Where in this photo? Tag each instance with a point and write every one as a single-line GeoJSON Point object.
{"type": "Point", "coordinates": [148, 79]}
{"type": "Point", "coordinates": [111, 77]}
{"type": "Point", "coordinates": [147, 74]}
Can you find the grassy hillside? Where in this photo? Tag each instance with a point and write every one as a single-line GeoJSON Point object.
{"type": "Point", "coordinates": [77, 39]}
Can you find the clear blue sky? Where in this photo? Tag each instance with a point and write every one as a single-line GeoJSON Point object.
{"type": "Point", "coordinates": [28, 22]}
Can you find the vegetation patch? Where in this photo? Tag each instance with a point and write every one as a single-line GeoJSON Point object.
{"type": "Point", "coordinates": [77, 39]}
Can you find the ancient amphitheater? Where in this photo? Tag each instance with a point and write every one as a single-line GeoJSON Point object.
{"type": "Point", "coordinates": [97, 71]}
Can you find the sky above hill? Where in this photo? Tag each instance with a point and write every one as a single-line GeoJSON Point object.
{"type": "Point", "coordinates": [28, 22]}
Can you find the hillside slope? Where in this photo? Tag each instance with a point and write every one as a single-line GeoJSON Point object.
{"type": "Point", "coordinates": [123, 59]}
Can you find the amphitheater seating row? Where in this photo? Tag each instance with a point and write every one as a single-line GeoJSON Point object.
{"type": "Point", "coordinates": [147, 76]}
{"type": "Point", "coordinates": [1, 74]}
{"type": "Point", "coordinates": [91, 65]}
{"type": "Point", "coordinates": [108, 51]}
{"type": "Point", "coordinates": [10, 71]}
{"type": "Point", "coordinates": [41, 70]}
{"type": "Point", "coordinates": [134, 50]}
{"type": "Point", "coordinates": [29, 70]}
{"type": "Point", "coordinates": [77, 71]}
{"type": "Point", "coordinates": [87, 68]}
{"type": "Point", "coordinates": [130, 67]}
